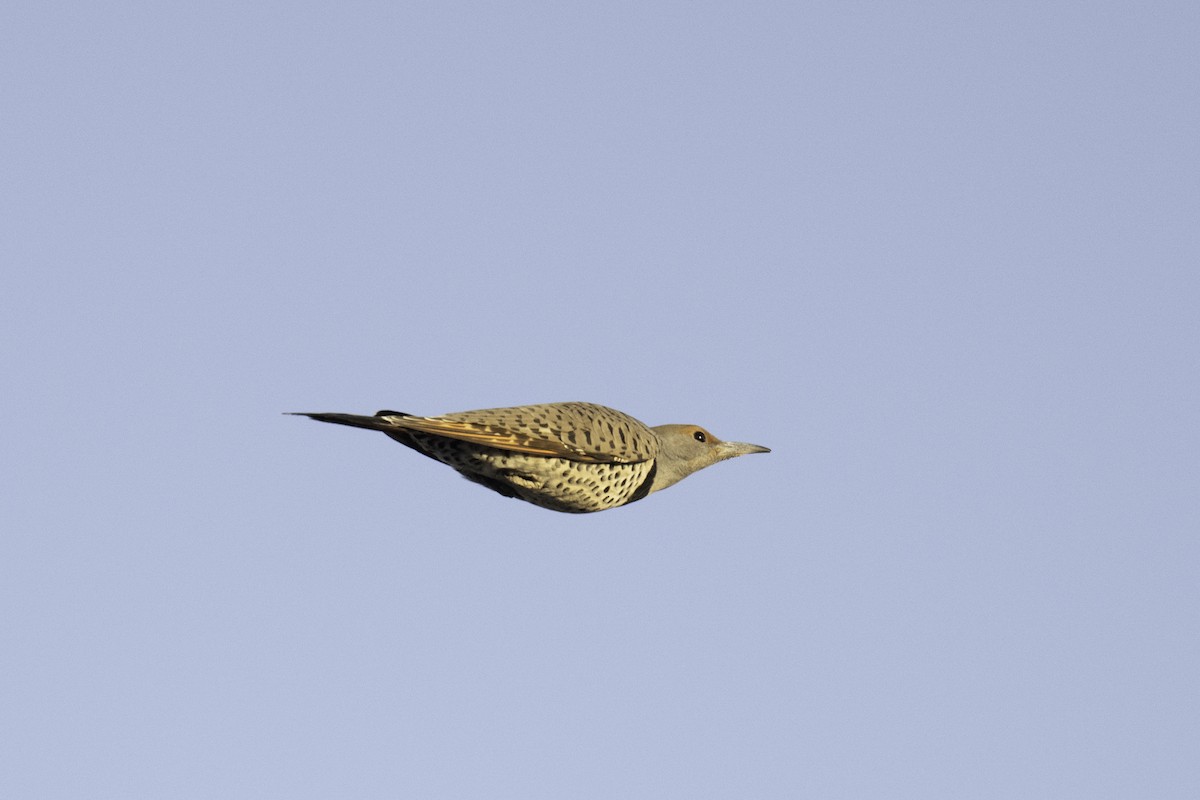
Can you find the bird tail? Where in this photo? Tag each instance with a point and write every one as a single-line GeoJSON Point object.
{"type": "Point", "coordinates": [375, 423]}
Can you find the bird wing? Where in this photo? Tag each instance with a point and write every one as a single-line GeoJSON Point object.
{"type": "Point", "coordinates": [500, 438]}
{"type": "Point", "coordinates": [576, 431]}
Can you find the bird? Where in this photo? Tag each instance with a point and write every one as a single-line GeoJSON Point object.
{"type": "Point", "coordinates": [572, 457]}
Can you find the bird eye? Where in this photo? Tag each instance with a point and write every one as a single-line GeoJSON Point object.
{"type": "Point", "coordinates": [699, 436]}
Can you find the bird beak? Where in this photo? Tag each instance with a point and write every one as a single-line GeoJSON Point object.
{"type": "Point", "coordinates": [735, 449]}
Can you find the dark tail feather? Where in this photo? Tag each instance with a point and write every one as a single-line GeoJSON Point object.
{"type": "Point", "coordinates": [354, 420]}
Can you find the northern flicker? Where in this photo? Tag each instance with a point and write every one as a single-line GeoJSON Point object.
{"type": "Point", "coordinates": [572, 457]}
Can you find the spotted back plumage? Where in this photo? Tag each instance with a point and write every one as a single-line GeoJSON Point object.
{"type": "Point", "coordinates": [575, 431]}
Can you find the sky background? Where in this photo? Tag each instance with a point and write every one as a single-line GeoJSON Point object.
{"type": "Point", "coordinates": [941, 257]}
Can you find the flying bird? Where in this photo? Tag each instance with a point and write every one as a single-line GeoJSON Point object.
{"type": "Point", "coordinates": [570, 457]}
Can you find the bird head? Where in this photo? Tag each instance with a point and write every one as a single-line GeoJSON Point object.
{"type": "Point", "coordinates": [684, 449]}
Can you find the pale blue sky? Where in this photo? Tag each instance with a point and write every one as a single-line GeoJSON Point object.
{"type": "Point", "coordinates": [941, 258]}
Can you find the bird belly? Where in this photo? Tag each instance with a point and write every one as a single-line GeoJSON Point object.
{"type": "Point", "coordinates": [559, 484]}
{"type": "Point", "coordinates": [574, 487]}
